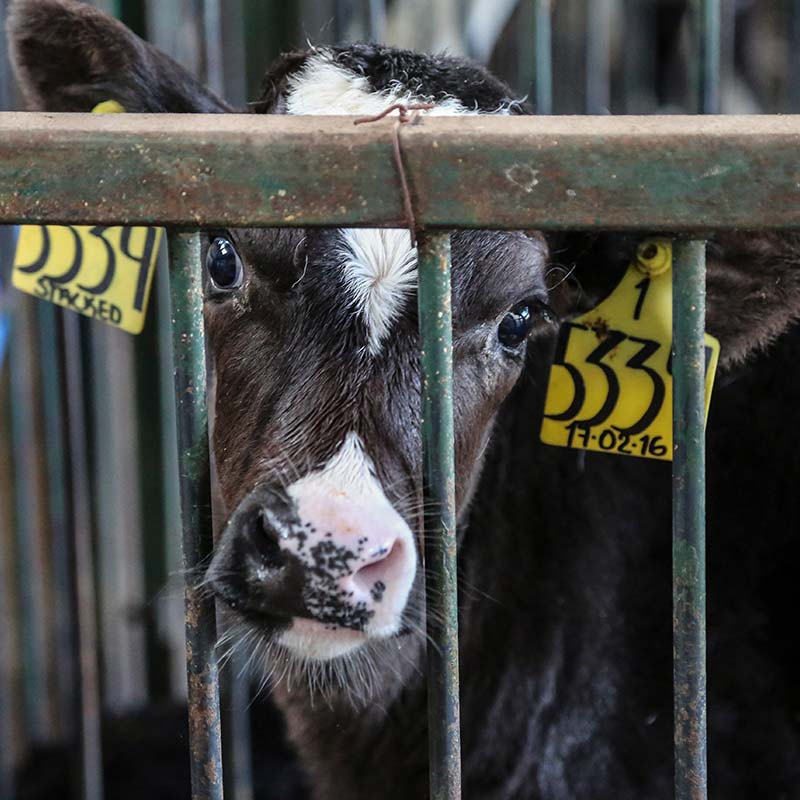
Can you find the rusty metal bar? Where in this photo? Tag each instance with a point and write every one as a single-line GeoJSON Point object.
{"type": "Point", "coordinates": [688, 519]}
{"type": "Point", "coordinates": [626, 173]}
{"type": "Point", "coordinates": [436, 358]}
{"type": "Point", "coordinates": [186, 291]}
{"type": "Point", "coordinates": [87, 697]}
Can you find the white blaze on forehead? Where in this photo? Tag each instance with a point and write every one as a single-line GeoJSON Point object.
{"type": "Point", "coordinates": [380, 266]}
{"type": "Point", "coordinates": [324, 87]}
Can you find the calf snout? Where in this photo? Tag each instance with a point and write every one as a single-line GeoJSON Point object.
{"type": "Point", "coordinates": [328, 550]}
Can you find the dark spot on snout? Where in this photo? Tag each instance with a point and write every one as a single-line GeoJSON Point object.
{"type": "Point", "coordinates": [378, 588]}
{"type": "Point", "coordinates": [324, 598]}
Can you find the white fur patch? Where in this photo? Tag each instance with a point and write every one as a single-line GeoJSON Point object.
{"type": "Point", "coordinates": [349, 470]}
{"type": "Point", "coordinates": [313, 641]}
{"type": "Point", "coordinates": [380, 273]}
{"type": "Point", "coordinates": [325, 87]}
{"type": "Point", "coordinates": [380, 266]}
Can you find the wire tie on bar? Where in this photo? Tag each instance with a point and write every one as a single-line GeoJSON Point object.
{"type": "Point", "coordinates": [403, 117]}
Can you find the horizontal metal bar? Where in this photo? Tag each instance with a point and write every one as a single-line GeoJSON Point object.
{"type": "Point", "coordinates": [671, 173]}
{"type": "Point", "coordinates": [436, 359]}
{"type": "Point", "coordinates": [688, 520]}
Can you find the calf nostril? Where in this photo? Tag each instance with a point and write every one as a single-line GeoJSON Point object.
{"type": "Point", "coordinates": [266, 541]}
{"type": "Point", "coordinates": [376, 572]}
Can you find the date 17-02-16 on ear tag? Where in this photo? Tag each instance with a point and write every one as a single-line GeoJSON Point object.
{"type": "Point", "coordinates": [103, 272]}
{"type": "Point", "coordinates": [610, 385]}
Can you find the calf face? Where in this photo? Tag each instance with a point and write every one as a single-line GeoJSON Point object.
{"type": "Point", "coordinates": [312, 338]}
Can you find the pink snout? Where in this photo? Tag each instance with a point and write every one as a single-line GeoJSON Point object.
{"type": "Point", "coordinates": [359, 556]}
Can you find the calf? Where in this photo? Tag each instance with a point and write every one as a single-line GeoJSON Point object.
{"type": "Point", "coordinates": [564, 558]}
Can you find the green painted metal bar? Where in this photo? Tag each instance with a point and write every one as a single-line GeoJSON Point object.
{"type": "Point", "coordinates": [620, 173]}
{"type": "Point", "coordinates": [688, 519]}
{"type": "Point", "coordinates": [706, 24]}
{"type": "Point", "coordinates": [186, 291]}
{"type": "Point", "coordinates": [87, 696]}
{"type": "Point", "coordinates": [543, 76]}
{"type": "Point", "coordinates": [435, 326]}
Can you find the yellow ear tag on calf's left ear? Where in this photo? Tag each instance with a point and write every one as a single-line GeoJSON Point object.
{"type": "Point", "coordinates": [610, 386]}
{"type": "Point", "coordinates": [100, 271]}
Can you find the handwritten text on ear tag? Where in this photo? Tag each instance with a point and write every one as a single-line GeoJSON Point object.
{"type": "Point", "coordinates": [103, 272]}
{"type": "Point", "coordinates": [610, 385]}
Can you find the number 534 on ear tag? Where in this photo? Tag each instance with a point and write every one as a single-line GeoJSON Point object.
{"type": "Point", "coordinates": [102, 272]}
{"type": "Point", "coordinates": [610, 386]}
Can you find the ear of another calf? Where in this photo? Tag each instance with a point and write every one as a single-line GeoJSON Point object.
{"type": "Point", "coordinates": [69, 56]}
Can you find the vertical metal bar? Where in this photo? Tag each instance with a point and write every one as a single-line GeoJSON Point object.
{"type": "Point", "coordinates": [639, 57]}
{"type": "Point", "coordinates": [598, 56]}
{"type": "Point", "coordinates": [706, 21]}
{"type": "Point", "coordinates": [377, 20]}
{"type": "Point", "coordinates": [32, 525]}
{"type": "Point", "coordinates": [118, 518]}
{"type": "Point", "coordinates": [237, 739]}
{"type": "Point", "coordinates": [435, 327]}
{"type": "Point", "coordinates": [186, 291]}
{"type": "Point", "coordinates": [172, 610]}
{"type": "Point", "coordinates": [8, 629]}
{"type": "Point", "coordinates": [54, 408]}
{"type": "Point", "coordinates": [85, 601]}
{"type": "Point", "coordinates": [212, 45]}
{"type": "Point", "coordinates": [543, 79]}
{"type": "Point", "coordinates": [792, 89]}
{"type": "Point", "coordinates": [688, 520]}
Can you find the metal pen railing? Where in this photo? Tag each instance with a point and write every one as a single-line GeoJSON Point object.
{"type": "Point", "coordinates": [759, 151]}
{"type": "Point", "coordinates": [672, 200]}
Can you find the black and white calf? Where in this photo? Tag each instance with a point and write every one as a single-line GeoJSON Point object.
{"type": "Point", "coordinates": [565, 612]}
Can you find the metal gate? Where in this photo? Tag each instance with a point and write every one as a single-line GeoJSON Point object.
{"type": "Point", "coordinates": [575, 160]}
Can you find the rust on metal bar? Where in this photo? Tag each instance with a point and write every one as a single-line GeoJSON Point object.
{"type": "Point", "coordinates": [683, 174]}
{"type": "Point", "coordinates": [186, 292]}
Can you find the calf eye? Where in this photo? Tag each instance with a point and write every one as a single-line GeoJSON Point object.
{"type": "Point", "coordinates": [519, 321]}
{"type": "Point", "coordinates": [223, 265]}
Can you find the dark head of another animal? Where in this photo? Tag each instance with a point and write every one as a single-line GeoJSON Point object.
{"type": "Point", "coordinates": [313, 342]}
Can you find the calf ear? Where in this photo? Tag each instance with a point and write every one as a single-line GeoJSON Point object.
{"type": "Point", "coordinates": [69, 56]}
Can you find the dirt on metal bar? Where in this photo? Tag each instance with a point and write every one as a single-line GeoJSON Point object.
{"type": "Point", "coordinates": [205, 738]}
{"type": "Point", "coordinates": [685, 174]}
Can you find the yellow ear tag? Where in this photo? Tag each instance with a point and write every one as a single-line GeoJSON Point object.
{"type": "Point", "coordinates": [99, 271]}
{"type": "Point", "coordinates": [610, 386]}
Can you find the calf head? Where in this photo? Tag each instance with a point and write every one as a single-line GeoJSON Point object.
{"type": "Point", "coordinates": [312, 339]}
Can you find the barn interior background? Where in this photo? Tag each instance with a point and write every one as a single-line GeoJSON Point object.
{"type": "Point", "coordinates": [597, 56]}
